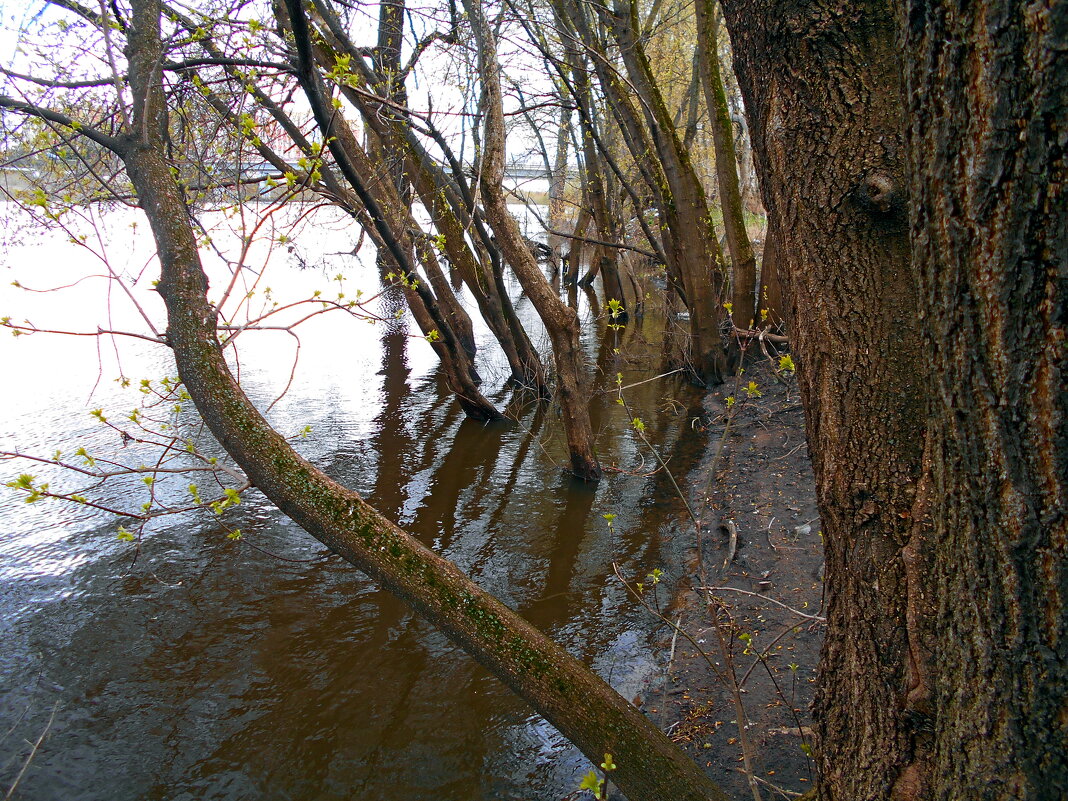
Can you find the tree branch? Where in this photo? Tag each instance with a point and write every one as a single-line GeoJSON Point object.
{"type": "Point", "coordinates": [112, 143]}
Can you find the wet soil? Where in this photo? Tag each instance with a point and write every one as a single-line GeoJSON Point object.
{"type": "Point", "coordinates": [754, 486]}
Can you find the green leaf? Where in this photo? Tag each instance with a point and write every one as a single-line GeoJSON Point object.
{"type": "Point", "coordinates": [25, 481]}
{"type": "Point", "coordinates": [592, 783]}
{"type": "Point", "coordinates": [608, 764]}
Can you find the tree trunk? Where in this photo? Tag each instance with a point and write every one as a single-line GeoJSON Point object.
{"type": "Point", "coordinates": [772, 299]}
{"type": "Point", "coordinates": [743, 262]}
{"type": "Point", "coordinates": [822, 88]}
{"type": "Point", "coordinates": [596, 189]}
{"type": "Point", "coordinates": [987, 84]}
{"type": "Point", "coordinates": [585, 709]}
{"type": "Point", "coordinates": [561, 323]}
{"type": "Point", "coordinates": [386, 57]}
{"type": "Point", "coordinates": [696, 248]}
{"type": "Point", "coordinates": [578, 245]}
{"type": "Point", "coordinates": [558, 182]}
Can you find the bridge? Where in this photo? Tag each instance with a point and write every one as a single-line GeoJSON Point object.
{"type": "Point", "coordinates": [515, 170]}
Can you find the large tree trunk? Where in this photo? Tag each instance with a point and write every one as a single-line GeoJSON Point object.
{"type": "Point", "coordinates": [833, 181]}
{"type": "Point", "coordinates": [561, 323]}
{"type": "Point", "coordinates": [987, 84]}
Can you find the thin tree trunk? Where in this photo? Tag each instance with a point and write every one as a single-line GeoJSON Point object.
{"type": "Point", "coordinates": [561, 322]}
{"type": "Point", "coordinates": [558, 183]}
{"type": "Point", "coordinates": [743, 262]}
{"type": "Point", "coordinates": [596, 189]}
{"type": "Point", "coordinates": [578, 245]}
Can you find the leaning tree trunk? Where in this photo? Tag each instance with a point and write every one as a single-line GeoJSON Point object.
{"type": "Point", "coordinates": [833, 181]}
{"type": "Point", "coordinates": [561, 323]}
{"type": "Point", "coordinates": [988, 131]}
{"type": "Point", "coordinates": [393, 223]}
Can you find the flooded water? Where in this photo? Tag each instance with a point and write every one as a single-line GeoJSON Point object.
{"type": "Point", "coordinates": [266, 668]}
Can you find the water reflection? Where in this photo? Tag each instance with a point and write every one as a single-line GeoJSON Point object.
{"type": "Point", "coordinates": [213, 670]}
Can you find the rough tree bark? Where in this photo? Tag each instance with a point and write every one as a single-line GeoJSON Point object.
{"type": "Point", "coordinates": [582, 706]}
{"type": "Point", "coordinates": [821, 83]}
{"type": "Point", "coordinates": [987, 90]}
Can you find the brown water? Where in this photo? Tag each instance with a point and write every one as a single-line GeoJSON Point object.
{"type": "Point", "coordinates": [209, 669]}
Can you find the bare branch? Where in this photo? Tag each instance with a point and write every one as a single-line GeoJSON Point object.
{"type": "Point", "coordinates": [56, 84]}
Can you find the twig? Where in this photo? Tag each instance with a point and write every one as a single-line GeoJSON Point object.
{"type": "Point", "coordinates": [646, 381]}
{"type": "Point", "coordinates": [751, 334]}
{"type": "Point", "coordinates": [674, 638]}
{"type": "Point", "coordinates": [33, 752]}
{"type": "Point", "coordinates": [773, 546]}
{"type": "Point", "coordinates": [767, 598]}
{"type": "Point", "coordinates": [732, 527]}
{"type": "Point", "coordinates": [784, 792]}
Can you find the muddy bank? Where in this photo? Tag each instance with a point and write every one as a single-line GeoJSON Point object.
{"type": "Point", "coordinates": [753, 493]}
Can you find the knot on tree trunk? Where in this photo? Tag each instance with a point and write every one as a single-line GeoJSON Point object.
{"type": "Point", "coordinates": [879, 195]}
